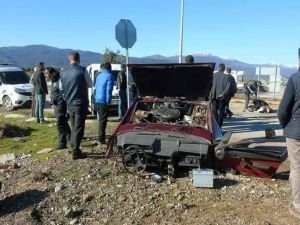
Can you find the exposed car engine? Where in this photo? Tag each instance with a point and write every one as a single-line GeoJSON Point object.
{"type": "Point", "coordinates": [176, 112]}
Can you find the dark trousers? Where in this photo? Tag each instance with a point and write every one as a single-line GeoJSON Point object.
{"type": "Point", "coordinates": [218, 110]}
{"type": "Point", "coordinates": [103, 114]}
{"type": "Point", "coordinates": [227, 109]}
{"type": "Point", "coordinates": [77, 117]}
{"type": "Point", "coordinates": [63, 128]}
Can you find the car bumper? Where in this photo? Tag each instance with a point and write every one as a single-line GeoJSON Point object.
{"type": "Point", "coordinates": [21, 100]}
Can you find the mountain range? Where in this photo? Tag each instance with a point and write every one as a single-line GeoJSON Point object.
{"type": "Point", "coordinates": [29, 56]}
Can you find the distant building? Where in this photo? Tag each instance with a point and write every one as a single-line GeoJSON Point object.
{"type": "Point", "coordinates": [270, 74]}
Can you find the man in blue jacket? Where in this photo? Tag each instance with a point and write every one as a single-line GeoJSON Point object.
{"type": "Point", "coordinates": [104, 86]}
{"type": "Point", "coordinates": [289, 118]}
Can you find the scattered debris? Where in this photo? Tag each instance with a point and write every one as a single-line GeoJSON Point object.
{"type": "Point", "coordinates": [4, 158]}
{"type": "Point", "coordinates": [25, 156]}
{"type": "Point", "coordinates": [31, 119]}
{"type": "Point", "coordinates": [11, 115]}
{"type": "Point", "coordinates": [88, 198]}
{"type": "Point", "coordinates": [39, 176]}
{"type": "Point", "coordinates": [20, 139]}
{"type": "Point", "coordinates": [68, 212]}
{"type": "Point", "coordinates": [9, 166]}
{"type": "Point", "coordinates": [270, 133]}
{"type": "Point", "coordinates": [59, 187]}
{"type": "Point", "coordinates": [45, 150]}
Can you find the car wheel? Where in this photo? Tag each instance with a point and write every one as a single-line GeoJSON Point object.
{"type": "Point", "coordinates": [7, 103]}
{"type": "Point", "coordinates": [134, 159]}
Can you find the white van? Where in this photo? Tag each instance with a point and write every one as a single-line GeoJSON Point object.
{"type": "Point", "coordinates": [15, 89]}
{"type": "Point", "coordinates": [93, 70]}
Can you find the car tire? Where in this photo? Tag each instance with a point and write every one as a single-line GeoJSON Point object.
{"type": "Point", "coordinates": [7, 103]}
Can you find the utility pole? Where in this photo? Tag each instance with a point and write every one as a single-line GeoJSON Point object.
{"type": "Point", "coordinates": [181, 31]}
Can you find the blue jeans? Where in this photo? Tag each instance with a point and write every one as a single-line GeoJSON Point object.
{"type": "Point", "coordinates": [122, 103]}
{"type": "Point", "coordinates": [40, 100]}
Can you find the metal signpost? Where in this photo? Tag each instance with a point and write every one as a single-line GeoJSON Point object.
{"type": "Point", "coordinates": [181, 31]}
{"type": "Point", "coordinates": [126, 36]}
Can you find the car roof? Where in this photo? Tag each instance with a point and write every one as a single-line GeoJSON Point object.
{"type": "Point", "coordinates": [9, 68]}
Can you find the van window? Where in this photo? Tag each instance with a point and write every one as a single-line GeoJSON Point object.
{"type": "Point", "coordinates": [14, 77]}
{"type": "Point", "coordinates": [239, 78]}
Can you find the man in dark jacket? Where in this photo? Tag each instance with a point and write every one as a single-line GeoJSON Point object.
{"type": "Point", "coordinates": [60, 108]}
{"type": "Point", "coordinates": [75, 83]}
{"type": "Point", "coordinates": [41, 90]}
{"type": "Point", "coordinates": [250, 88]}
{"type": "Point", "coordinates": [289, 118]}
{"type": "Point", "coordinates": [122, 87]}
{"type": "Point", "coordinates": [233, 88]}
{"type": "Point", "coordinates": [104, 86]}
{"type": "Point", "coordinates": [219, 94]}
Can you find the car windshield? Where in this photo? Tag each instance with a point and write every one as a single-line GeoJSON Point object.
{"type": "Point", "coordinates": [14, 77]}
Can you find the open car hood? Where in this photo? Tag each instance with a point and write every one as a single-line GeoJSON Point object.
{"type": "Point", "coordinates": [173, 80]}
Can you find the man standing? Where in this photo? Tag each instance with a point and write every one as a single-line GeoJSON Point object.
{"type": "Point", "coordinates": [104, 86]}
{"type": "Point", "coordinates": [232, 84]}
{"type": "Point", "coordinates": [219, 94]}
{"type": "Point", "coordinates": [289, 118]}
{"type": "Point", "coordinates": [122, 86]}
{"type": "Point", "coordinates": [75, 83]}
{"type": "Point", "coordinates": [40, 91]}
{"type": "Point", "coordinates": [250, 88]}
{"type": "Point", "coordinates": [60, 108]}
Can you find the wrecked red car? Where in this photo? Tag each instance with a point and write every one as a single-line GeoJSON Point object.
{"type": "Point", "coordinates": [171, 124]}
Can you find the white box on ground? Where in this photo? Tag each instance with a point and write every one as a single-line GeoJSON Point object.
{"type": "Point", "coordinates": [203, 178]}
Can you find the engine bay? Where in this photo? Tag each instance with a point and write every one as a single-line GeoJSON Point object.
{"type": "Point", "coordinates": [172, 112]}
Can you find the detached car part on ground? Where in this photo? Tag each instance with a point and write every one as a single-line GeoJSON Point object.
{"type": "Point", "coordinates": [171, 125]}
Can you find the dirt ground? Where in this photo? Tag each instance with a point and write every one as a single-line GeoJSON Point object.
{"type": "Point", "coordinates": [58, 190]}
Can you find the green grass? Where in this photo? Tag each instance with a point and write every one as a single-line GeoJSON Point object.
{"type": "Point", "coordinates": [43, 135]}
{"type": "Point", "coordinates": [40, 136]}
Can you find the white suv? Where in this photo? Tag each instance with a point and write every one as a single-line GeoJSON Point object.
{"type": "Point", "coordinates": [15, 89]}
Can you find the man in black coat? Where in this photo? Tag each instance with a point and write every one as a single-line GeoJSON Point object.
{"type": "Point", "coordinates": [233, 88]}
{"type": "Point", "coordinates": [75, 83]}
{"type": "Point", "coordinates": [41, 90]}
{"type": "Point", "coordinates": [289, 118]}
{"type": "Point", "coordinates": [122, 87]}
{"type": "Point", "coordinates": [219, 94]}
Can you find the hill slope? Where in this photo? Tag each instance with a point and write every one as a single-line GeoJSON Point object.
{"type": "Point", "coordinates": [29, 56]}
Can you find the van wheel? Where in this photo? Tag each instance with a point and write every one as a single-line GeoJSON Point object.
{"type": "Point", "coordinates": [7, 103]}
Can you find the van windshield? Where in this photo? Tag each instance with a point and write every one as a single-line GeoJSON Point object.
{"type": "Point", "coordinates": [14, 77]}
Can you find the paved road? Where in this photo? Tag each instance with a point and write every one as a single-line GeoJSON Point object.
{"type": "Point", "coordinates": [252, 125]}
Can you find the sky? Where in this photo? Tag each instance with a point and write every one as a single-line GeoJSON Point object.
{"type": "Point", "coordinates": [252, 31]}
